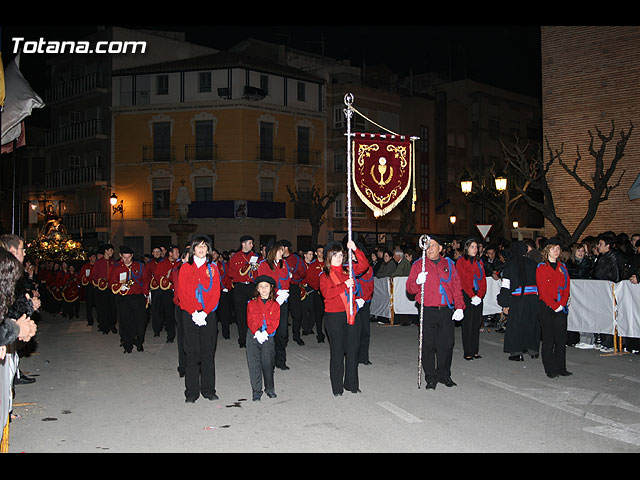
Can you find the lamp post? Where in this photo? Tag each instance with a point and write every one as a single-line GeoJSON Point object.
{"type": "Point", "coordinates": [467, 184]}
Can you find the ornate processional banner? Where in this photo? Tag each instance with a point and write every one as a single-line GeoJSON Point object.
{"type": "Point", "coordinates": [381, 170]}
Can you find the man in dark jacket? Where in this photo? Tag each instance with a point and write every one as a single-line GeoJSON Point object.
{"type": "Point", "coordinates": [606, 268]}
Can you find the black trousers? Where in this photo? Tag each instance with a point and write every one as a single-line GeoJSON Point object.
{"type": "Point", "coordinates": [177, 312]}
{"type": "Point", "coordinates": [365, 332]}
{"type": "Point", "coordinates": [225, 312]}
{"type": "Point", "coordinates": [307, 311]}
{"type": "Point", "coordinates": [162, 312]}
{"type": "Point", "coordinates": [200, 350]}
{"type": "Point", "coordinates": [318, 315]}
{"type": "Point", "coordinates": [90, 302]}
{"type": "Point", "coordinates": [295, 307]}
{"type": "Point", "coordinates": [471, 324]}
{"type": "Point", "coordinates": [132, 319]}
{"type": "Point", "coordinates": [261, 360]}
{"type": "Point", "coordinates": [554, 339]}
{"type": "Point", "coordinates": [282, 336]}
{"type": "Point", "coordinates": [242, 293]}
{"type": "Point", "coordinates": [438, 338]}
{"type": "Point", "coordinates": [344, 343]}
{"type": "Point", "coordinates": [106, 307]}
{"type": "Point", "coordinates": [71, 309]}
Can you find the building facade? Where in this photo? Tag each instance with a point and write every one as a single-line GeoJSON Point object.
{"type": "Point", "coordinates": [221, 136]}
{"type": "Point", "coordinates": [589, 79]}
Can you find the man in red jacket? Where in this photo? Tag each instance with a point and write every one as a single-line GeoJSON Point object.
{"type": "Point", "coordinates": [126, 282]}
{"type": "Point", "coordinates": [105, 301]}
{"type": "Point", "coordinates": [242, 268]}
{"type": "Point", "coordinates": [311, 284]}
{"type": "Point", "coordinates": [443, 303]}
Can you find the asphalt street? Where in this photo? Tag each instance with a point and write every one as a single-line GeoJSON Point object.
{"type": "Point", "coordinates": [89, 397]}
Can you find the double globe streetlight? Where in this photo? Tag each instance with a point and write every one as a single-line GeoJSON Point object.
{"type": "Point", "coordinates": [466, 185]}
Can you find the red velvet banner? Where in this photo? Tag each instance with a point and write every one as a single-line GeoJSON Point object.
{"type": "Point", "coordinates": [381, 170]}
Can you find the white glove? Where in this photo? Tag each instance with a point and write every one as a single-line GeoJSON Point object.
{"type": "Point", "coordinates": [458, 314]}
{"type": "Point", "coordinates": [199, 318]}
{"type": "Point", "coordinates": [422, 277]}
{"type": "Point", "coordinates": [261, 336]}
{"type": "Point", "coordinates": [360, 302]}
{"type": "Point", "coordinates": [282, 296]}
{"type": "Point", "coordinates": [475, 300]}
{"type": "Point", "coordinates": [559, 309]}
{"type": "Point", "coordinates": [225, 290]}
{"type": "Point", "coordinates": [124, 287]}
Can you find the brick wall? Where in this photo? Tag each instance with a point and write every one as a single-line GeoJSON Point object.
{"type": "Point", "coordinates": [591, 76]}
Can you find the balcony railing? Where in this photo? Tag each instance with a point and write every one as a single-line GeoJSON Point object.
{"type": "Point", "coordinates": [307, 157]}
{"type": "Point", "coordinates": [201, 153]}
{"type": "Point", "coordinates": [138, 97]}
{"type": "Point", "coordinates": [75, 177]}
{"type": "Point", "coordinates": [270, 154]}
{"type": "Point", "coordinates": [76, 87]}
{"type": "Point", "coordinates": [85, 221]}
{"type": "Point", "coordinates": [77, 131]}
{"type": "Point", "coordinates": [159, 154]}
{"type": "Point", "coordinates": [158, 210]}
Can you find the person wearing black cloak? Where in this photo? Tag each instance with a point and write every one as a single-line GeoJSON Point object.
{"type": "Point", "coordinates": [518, 298]}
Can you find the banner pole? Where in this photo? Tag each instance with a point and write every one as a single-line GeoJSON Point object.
{"type": "Point", "coordinates": [424, 244]}
{"type": "Point", "coordinates": [348, 101]}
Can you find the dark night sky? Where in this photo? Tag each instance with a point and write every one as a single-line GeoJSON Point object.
{"type": "Point", "coordinates": [500, 55]}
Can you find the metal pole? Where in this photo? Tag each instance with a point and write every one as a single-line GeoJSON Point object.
{"type": "Point", "coordinates": [424, 244]}
{"type": "Point", "coordinates": [348, 101]}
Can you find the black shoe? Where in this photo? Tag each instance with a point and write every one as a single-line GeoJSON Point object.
{"type": "Point", "coordinates": [181, 373]}
{"type": "Point", "coordinates": [337, 394]}
{"type": "Point", "coordinates": [282, 367]}
{"type": "Point", "coordinates": [190, 399]}
{"type": "Point", "coordinates": [431, 385]}
{"type": "Point", "coordinates": [272, 395]}
{"type": "Point", "coordinates": [140, 348]}
{"type": "Point", "coordinates": [516, 358]}
{"type": "Point", "coordinates": [321, 339]}
{"type": "Point", "coordinates": [299, 341]}
{"type": "Point", "coordinates": [210, 396]}
{"type": "Point", "coordinates": [256, 398]}
{"type": "Point", "coordinates": [23, 380]}
{"type": "Point", "coordinates": [169, 340]}
{"type": "Point", "coordinates": [242, 345]}
{"type": "Point", "coordinates": [565, 373]}
{"type": "Point", "coordinates": [114, 330]}
{"type": "Point", "coordinates": [476, 356]}
{"type": "Point", "coordinates": [448, 382]}
{"type": "Point", "coordinates": [552, 375]}
{"type": "Point", "coordinates": [468, 357]}
{"type": "Point", "coordinates": [367, 362]}
{"type": "Point", "coordinates": [357, 390]}
{"type": "Point", "coordinates": [127, 350]}
{"type": "Point", "coordinates": [535, 355]}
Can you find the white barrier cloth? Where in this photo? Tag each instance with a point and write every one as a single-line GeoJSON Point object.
{"type": "Point", "coordinates": [628, 309]}
{"type": "Point", "coordinates": [380, 302]}
{"type": "Point", "coordinates": [591, 307]}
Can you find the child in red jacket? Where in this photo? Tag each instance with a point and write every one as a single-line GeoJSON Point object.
{"type": "Point", "coordinates": [263, 318]}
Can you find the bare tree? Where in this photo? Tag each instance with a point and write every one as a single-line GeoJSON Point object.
{"type": "Point", "coordinates": [532, 170]}
{"type": "Point", "coordinates": [312, 204]}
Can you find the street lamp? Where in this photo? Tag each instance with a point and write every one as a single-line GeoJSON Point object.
{"type": "Point", "coordinates": [466, 185]}
{"type": "Point", "coordinates": [113, 200]}
{"type": "Point", "coordinates": [453, 219]}
{"type": "Point", "coordinates": [501, 183]}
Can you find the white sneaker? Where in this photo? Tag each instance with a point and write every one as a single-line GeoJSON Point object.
{"type": "Point", "coordinates": [606, 350]}
{"type": "Point", "coordinates": [583, 346]}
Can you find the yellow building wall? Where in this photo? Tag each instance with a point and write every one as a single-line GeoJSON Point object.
{"type": "Point", "coordinates": [237, 136]}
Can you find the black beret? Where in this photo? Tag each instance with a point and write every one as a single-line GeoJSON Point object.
{"type": "Point", "coordinates": [553, 241]}
{"type": "Point", "coordinates": [266, 278]}
{"type": "Point", "coordinates": [245, 238]}
{"type": "Point", "coordinates": [125, 249]}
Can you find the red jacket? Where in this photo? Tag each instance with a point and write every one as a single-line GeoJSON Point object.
{"type": "Point", "coordinates": [364, 285]}
{"type": "Point", "coordinates": [441, 274]}
{"type": "Point", "coordinates": [311, 276]}
{"type": "Point", "coordinates": [157, 275]}
{"type": "Point", "coordinates": [82, 274]}
{"type": "Point", "coordinates": [70, 287]}
{"type": "Point", "coordinates": [198, 288]}
{"type": "Point", "coordinates": [553, 284]}
{"type": "Point", "coordinates": [238, 263]}
{"type": "Point", "coordinates": [224, 274]}
{"type": "Point", "coordinates": [260, 313]}
{"type": "Point", "coordinates": [173, 276]}
{"type": "Point", "coordinates": [472, 276]}
{"type": "Point", "coordinates": [332, 292]}
{"type": "Point", "coordinates": [297, 267]}
{"type": "Point", "coordinates": [100, 273]}
{"type": "Point", "coordinates": [121, 274]}
{"type": "Point", "coordinates": [280, 274]}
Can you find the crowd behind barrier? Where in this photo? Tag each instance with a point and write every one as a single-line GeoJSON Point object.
{"type": "Point", "coordinates": [597, 306]}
